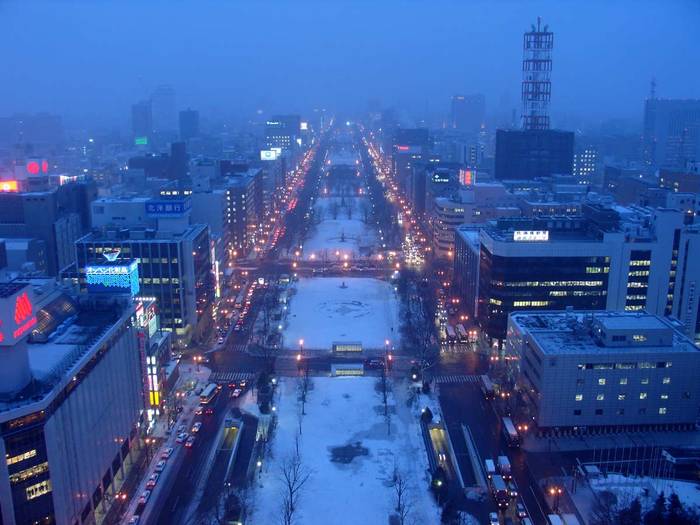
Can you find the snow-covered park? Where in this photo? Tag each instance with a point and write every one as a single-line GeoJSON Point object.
{"type": "Point", "coordinates": [351, 453]}
{"type": "Point", "coordinates": [341, 232]}
{"type": "Point", "coordinates": [325, 310]}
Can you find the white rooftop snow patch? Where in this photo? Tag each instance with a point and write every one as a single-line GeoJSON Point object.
{"type": "Point", "coordinates": [326, 310]}
{"type": "Point", "coordinates": [341, 412]}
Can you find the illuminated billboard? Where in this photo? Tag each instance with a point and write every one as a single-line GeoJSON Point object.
{"type": "Point", "coordinates": [141, 141]}
{"type": "Point", "coordinates": [167, 207]}
{"type": "Point", "coordinates": [268, 154]}
{"type": "Point", "coordinates": [9, 186]}
{"type": "Point", "coordinates": [119, 278]}
{"type": "Point", "coordinates": [304, 126]}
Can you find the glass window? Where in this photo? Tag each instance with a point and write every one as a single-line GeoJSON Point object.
{"type": "Point", "coordinates": [621, 397]}
{"type": "Point", "coordinates": [600, 397]}
{"type": "Point", "coordinates": [579, 397]}
{"type": "Point", "coordinates": [623, 380]}
{"type": "Point", "coordinates": [662, 410]}
{"type": "Point", "coordinates": [642, 395]}
{"type": "Point", "coordinates": [601, 381]}
{"type": "Point", "coordinates": [645, 381]}
{"type": "Point", "coordinates": [666, 380]}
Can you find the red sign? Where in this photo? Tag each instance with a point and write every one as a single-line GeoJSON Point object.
{"type": "Point", "coordinates": [8, 185]}
{"type": "Point", "coordinates": [23, 308]}
{"type": "Point", "coordinates": [33, 167]}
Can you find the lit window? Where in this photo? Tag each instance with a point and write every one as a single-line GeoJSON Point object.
{"type": "Point", "coordinates": [643, 395]}
{"type": "Point", "coordinates": [662, 410]}
{"type": "Point", "coordinates": [600, 397]}
{"type": "Point", "coordinates": [666, 380]}
{"type": "Point", "coordinates": [621, 397]}
{"type": "Point", "coordinates": [664, 396]}
{"type": "Point", "coordinates": [645, 381]}
{"type": "Point", "coordinates": [623, 380]}
{"type": "Point", "coordinates": [601, 381]}
{"type": "Point", "coordinates": [579, 397]}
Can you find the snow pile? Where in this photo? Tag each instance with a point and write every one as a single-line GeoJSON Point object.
{"type": "Point", "coordinates": [349, 453]}
{"type": "Point", "coordinates": [337, 309]}
{"type": "Point", "coordinates": [647, 489]}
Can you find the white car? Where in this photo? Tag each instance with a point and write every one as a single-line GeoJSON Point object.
{"type": "Point", "coordinates": [196, 427]}
{"type": "Point", "coordinates": [160, 466]}
{"type": "Point", "coordinates": [167, 452]}
{"type": "Point", "coordinates": [220, 341]}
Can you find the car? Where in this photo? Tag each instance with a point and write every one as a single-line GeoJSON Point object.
{"type": "Point", "coordinates": [493, 519]}
{"type": "Point", "coordinates": [135, 519]}
{"type": "Point", "coordinates": [522, 512]}
{"type": "Point", "coordinates": [151, 483]}
{"type": "Point", "coordinates": [242, 384]}
{"type": "Point", "coordinates": [160, 466]}
{"type": "Point", "coordinates": [198, 411]}
{"type": "Point", "coordinates": [374, 363]}
{"type": "Point", "coordinates": [236, 392]}
{"type": "Point", "coordinates": [220, 341]}
{"type": "Point", "coordinates": [512, 489]}
{"type": "Point", "coordinates": [196, 427]}
{"type": "Point", "coordinates": [167, 452]}
{"type": "Point", "coordinates": [237, 328]}
{"type": "Point", "coordinates": [190, 442]}
{"type": "Point", "coordinates": [181, 428]}
{"type": "Point", "coordinates": [143, 499]}
{"type": "Point", "coordinates": [232, 385]}
{"type": "Point", "coordinates": [208, 411]}
{"type": "Point", "coordinates": [181, 437]}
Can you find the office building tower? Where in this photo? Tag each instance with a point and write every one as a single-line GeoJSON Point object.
{"type": "Point", "coordinates": [174, 266]}
{"type": "Point", "coordinates": [585, 164]}
{"type": "Point", "coordinates": [164, 111]}
{"type": "Point", "coordinates": [623, 259]}
{"type": "Point", "coordinates": [71, 407]}
{"type": "Point", "coordinates": [142, 123]}
{"type": "Point", "coordinates": [605, 371]}
{"type": "Point", "coordinates": [467, 112]}
{"type": "Point", "coordinates": [189, 124]}
{"type": "Point", "coordinates": [57, 217]}
{"type": "Point", "coordinates": [671, 132]}
{"type": "Point", "coordinates": [283, 131]}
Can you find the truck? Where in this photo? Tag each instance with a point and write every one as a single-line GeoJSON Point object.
{"type": "Point", "coordinates": [500, 492]}
{"type": "Point", "coordinates": [490, 468]}
{"type": "Point", "coordinates": [510, 433]}
{"type": "Point", "coordinates": [504, 467]}
{"type": "Point", "coordinates": [487, 387]}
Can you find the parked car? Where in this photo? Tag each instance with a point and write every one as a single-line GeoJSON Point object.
{"type": "Point", "coordinates": [181, 437]}
{"type": "Point", "coordinates": [135, 519]}
{"type": "Point", "coordinates": [198, 411]}
{"type": "Point", "coordinates": [236, 392]}
{"type": "Point", "coordinates": [152, 480]}
{"type": "Point", "coordinates": [167, 452]}
{"type": "Point", "coordinates": [512, 489]}
{"type": "Point", "coordinates": [220, 340]}
{"type": "Point", "coordinates": [143, 499]}
{"type": "Point", "coordinates": [160, 466]}
{"type": "Point", "coordinates": [190, 442]}
{"type": "Point", "coordinates": [196, 427]}
{"type": "Point", "coordinates": [522, 512]}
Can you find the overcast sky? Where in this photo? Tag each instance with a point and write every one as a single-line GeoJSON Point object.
{"type": "Point", "coordinates": [97, 57]}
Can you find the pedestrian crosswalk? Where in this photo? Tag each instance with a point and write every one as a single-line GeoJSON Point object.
{"type": "Point", "coordinates": [457, 379]}
{"type": "Point", "coordinates": [227, 377]}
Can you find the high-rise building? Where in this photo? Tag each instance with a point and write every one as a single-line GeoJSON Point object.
{"type": "Point", "coordinates": [174, 266]}
{"type": "Point", "coordinates": [528, 154]}
{"type": "Point", "coordinates": [671, 132]}
{"type": "Point", "coordinates": [165, 120]}
{"type": "Point", "coordinates": [283, 131]}
{"type": "Point", "coordinates": [57, 217]}
{"type": "Point", "coordinates": [536, 91]}
{"type": "Point", "coordinates": [467, 112]}
{"type": "Point", "coordinates": [189, 124]}
{"type": "Point", "coordinates": [142, 122]}
{"type": "Point", "coordinates": [585, 164]}
{"type": "Point", "coordinates": [609, 259]}
{"type": "Point", "coordinates": [72, 403]}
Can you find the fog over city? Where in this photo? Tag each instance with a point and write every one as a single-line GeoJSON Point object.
{"type": "Point", "coordinates": [388, 262]}
{"type": "Point", "coordinates": [92, 58]}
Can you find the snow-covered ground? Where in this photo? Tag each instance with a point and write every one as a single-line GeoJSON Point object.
{"type": "Point", "coordinates": [628, 488]}
{"type": "Point", "coordinates": [341, 233]}
{"type": "Point", "coordinates": [325, 310]}
{"type": "Point", "coordinates": [349, 453]}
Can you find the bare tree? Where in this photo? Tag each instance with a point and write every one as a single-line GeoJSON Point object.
{"type": "Point", "coordinates": [403, 507]}
{"type": "Point", "coordinates": [294, 476]}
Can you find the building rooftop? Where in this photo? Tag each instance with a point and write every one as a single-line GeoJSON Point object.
{"type": "Point", "coordinates": [574, 332]}
{"type": "Point", "coordinates": [140, 234]}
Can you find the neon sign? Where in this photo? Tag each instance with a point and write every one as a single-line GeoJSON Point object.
{"type": "Point", "coordinates": [122, 278]}
{"type": "Point", "coordinates": [9, 185]}
{"type": "Point", "coordinates": [23, 308]}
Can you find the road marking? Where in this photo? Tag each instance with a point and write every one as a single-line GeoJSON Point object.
{"type": "Point", "coordinates": [457, 379]}
{"type": "Point", "coordinates": [224, 377]}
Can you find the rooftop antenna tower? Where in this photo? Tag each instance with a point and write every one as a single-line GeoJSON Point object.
{"type": "Point", "coordinates": [537, 70]}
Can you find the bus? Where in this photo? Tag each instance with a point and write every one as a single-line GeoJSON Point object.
{"type": "Point", "coordinates": [462, 334]}
{"type": "Point", "coordinates": [451, 335]}
{"type": "Point", "coordinates": [487, 387]}
{"type": "Point", "coordinates": [510, 433]}
{"type": "Point", "coordinates": [500, 492]}
{"type": "Point", "coordinates": [208, 393]}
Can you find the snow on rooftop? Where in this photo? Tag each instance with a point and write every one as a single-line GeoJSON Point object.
{"type": "Point", "coordinates": [325, 310]}
{"type": "Point", "coordinates": [350, 454]}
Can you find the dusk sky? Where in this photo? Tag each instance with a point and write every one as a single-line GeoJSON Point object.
{"type": "Point", "coordinates": [95, 58]}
